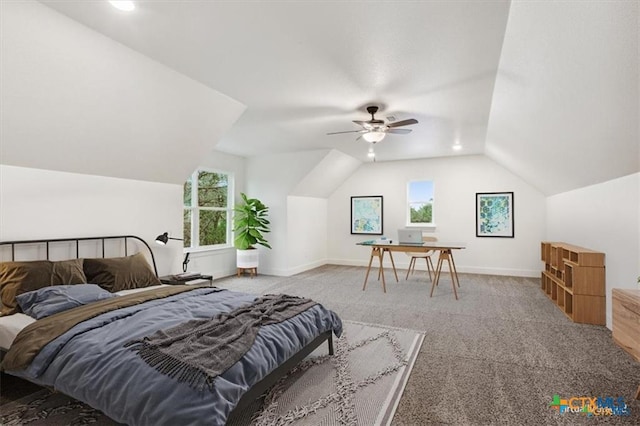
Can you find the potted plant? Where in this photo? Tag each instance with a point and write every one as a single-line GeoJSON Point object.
{"type": "Point", "coordinates": [249, 223]}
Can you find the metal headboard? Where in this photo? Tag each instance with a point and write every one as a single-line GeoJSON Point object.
{"type": "Point", "coordinates": [124, 238]}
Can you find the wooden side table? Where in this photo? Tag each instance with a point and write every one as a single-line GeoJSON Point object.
{"type": "Point", "coordinates": [201, 279]}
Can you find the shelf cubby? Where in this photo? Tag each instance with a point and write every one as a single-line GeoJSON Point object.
{"type": "Point", "coordinates": [574, 278]}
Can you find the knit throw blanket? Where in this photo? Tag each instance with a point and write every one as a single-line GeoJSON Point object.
{"type": "Point", "coordinates": [197, 351]}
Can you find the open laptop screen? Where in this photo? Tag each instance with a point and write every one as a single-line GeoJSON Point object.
{"type": "Point", "coordinates": [409, 236]}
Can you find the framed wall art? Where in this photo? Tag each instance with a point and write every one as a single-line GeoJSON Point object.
{"type": "Point", "coordinates": [366, 215]}
{"type": "Point", "coordinates": [494, 214]}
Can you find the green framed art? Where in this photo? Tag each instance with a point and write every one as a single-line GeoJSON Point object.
{"type": "Point", "coordinates": [494, 214]}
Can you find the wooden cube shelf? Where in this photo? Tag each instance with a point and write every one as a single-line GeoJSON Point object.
{"type": "Point", "coordinates": [574, 278]}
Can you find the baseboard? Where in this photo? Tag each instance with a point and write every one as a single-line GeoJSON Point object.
{"type": "Point", "coordinates": [306, 267]}
{"type": "Point", "coordinates": [461, 268]}
{"type": "Point", "coordinates": [528, 273]}
{"type": "Point", "coordinates": [278, 272]}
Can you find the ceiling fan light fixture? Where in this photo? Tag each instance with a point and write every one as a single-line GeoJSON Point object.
{"type": "Point", "coordinates": [373, 136]}
{"type": "Point", "coordinates": [371, 153]}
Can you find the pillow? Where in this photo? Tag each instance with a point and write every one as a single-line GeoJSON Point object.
{"type": "Point", "coordinates": [51, 300]}
{"type": "Point", "coordinates": [120, 273]}
{"type": "Point", "coordinates": [20, 277]}
{"type": "Point", "coordinates": [68, 272]}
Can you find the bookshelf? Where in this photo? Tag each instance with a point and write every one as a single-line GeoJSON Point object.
{"type": "Point", "coordinates": [574, 279]}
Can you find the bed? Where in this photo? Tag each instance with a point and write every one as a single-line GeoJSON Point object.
{"type": "Point", "coordinates": [88, 336]}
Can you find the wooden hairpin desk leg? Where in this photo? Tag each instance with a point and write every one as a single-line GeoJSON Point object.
{"type": "Point", "coordinates": [393, 264]}
{"type": "Point", "coordinates": [366, 277]}
{"type": "Point", "coordinates": [455, 271]}
{"type": "Point", "coordinates": [445, 254]}
{"type": "Point", "coordinates": [375, 251]}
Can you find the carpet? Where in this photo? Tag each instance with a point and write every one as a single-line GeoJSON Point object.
{"type": "Point", "coordinates": [360, 385]}
{"type": "Point", "coordinates": [498, 355]}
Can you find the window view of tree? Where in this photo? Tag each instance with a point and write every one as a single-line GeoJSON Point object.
{"type": "Point", "coordinates": [420, 198]}
{"type": "Point", "coordinates": [206, 209]}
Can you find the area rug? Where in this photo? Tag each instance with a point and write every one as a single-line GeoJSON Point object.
{"type": "Point", "coordinates": [360, 385]}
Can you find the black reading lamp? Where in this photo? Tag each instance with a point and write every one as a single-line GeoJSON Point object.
{"type": "Point", "coordinates": [164, 239]}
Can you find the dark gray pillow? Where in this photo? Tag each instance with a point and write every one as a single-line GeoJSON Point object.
{"type": "Point", "coordinates": [120, 273]}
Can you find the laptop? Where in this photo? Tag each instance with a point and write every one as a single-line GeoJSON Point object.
{"type": "Point", "coordinates": [410, 236]}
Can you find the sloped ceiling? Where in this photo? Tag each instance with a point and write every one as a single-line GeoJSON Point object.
{"type": "Point", "coordinates": [76, 101]}
{"type": "Point", "coordinates": [565, 109]}
{"type": "Point", "coordinates": [308, 68]}
{"type": "Point", "coordinates": [549, 89]}
{"type": "Point", "coordinates": [326, 176]}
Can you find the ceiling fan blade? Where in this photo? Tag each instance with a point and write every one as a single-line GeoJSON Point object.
{"type": "Point", "coordinates": [399, 131]}
{"type": "Point", "coordinates": [348, 131]}
{"type": "Point", "coordinates": [369, 123]}
{"type": "Point", "coordinates": [403, 123]}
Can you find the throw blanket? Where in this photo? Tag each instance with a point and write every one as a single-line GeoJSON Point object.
{"type": "Point", "coordinates": [198, 351]}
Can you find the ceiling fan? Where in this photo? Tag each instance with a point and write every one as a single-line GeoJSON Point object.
{"type": "Point", "coordinates": [374, 131]}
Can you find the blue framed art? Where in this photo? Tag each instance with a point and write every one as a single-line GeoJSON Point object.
{"type": "Point", "coordinates": [366, 215]}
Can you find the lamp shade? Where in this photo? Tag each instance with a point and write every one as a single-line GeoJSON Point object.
{"type": "Point", "coordinates": [162, 239]}
{"type": "Point", "coordinates": [373, 136]}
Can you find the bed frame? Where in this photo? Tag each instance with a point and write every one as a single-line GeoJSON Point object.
{"type": "Point", "coordinates": [252, 394]}
{"type": "Point", "coordinates": [47, 244]}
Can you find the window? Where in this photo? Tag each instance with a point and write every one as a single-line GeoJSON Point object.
{"type": "Point", "coordinates": [420, 203]}
{"type": "Point", "coordinates": [208, 203]}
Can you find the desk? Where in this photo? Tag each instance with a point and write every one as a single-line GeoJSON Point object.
{"type": "Point", "coordinates": [446, 254]}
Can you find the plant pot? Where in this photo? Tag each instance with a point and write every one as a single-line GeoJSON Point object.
{"type": "Point", "coordinates": [247, 259]}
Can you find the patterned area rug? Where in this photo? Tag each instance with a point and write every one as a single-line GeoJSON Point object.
{"type": "Point", "coordinates": [360, 385]}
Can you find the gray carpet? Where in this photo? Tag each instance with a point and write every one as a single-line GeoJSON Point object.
{"type": "Point", "coordinates": [498, 355]}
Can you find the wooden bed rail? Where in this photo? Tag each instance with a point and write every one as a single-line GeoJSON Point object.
{"type": "Point", "coordinates": [124, 238]}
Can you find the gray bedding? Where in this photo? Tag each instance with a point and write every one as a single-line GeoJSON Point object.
{"type": "Point", "coordinates": [90, 361]}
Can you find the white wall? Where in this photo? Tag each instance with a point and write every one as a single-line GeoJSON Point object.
{"type": "Point", "coordinates": [456, 181]}
{"type": "Point", "coordinates": [38, 204]}
{"type": "Point", "coordinates": [271, 179]}
{"type": "Point", "coordinates": [306, 233]}
{"type": "Point", "coordinates": [606, 218]}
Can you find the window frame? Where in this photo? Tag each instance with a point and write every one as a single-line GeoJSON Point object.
{"type": "Point", "coordinates": [195, 211]}
{"type": "Point", "coordinates": [423, 225]}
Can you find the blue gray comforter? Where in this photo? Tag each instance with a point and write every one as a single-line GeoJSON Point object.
{"type": "Point", "coordinates": [91, 364]}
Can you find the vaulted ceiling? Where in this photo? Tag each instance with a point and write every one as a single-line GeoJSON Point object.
{"type": "Point", "coordinates": [548, 89]}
